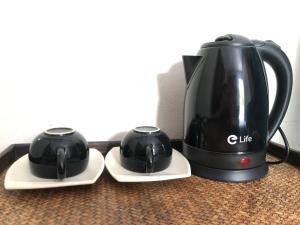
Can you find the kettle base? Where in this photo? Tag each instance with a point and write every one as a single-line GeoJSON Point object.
{"type": "Point", "coordinates": [229, 175]}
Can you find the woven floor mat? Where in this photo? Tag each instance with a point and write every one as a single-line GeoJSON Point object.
{"type": "Point", "coordinates": [274, 199]}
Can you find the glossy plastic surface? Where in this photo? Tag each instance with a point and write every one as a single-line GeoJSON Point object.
{"type": "Point", "coordinates": [145, 152]}
{"type": "Point", "coordinates": [54, 156]}
{"type": "Point", "coordinates": [227, 95]}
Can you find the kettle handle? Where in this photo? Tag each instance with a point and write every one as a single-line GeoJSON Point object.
{"type": "Point", "coordinates": [271, 53]}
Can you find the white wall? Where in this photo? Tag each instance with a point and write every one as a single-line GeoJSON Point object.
{"type": "Point", "coordinates": [104, 67]}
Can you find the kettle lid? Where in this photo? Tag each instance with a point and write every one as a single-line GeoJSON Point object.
{"type": "Point", "coordinates": [229, 40]}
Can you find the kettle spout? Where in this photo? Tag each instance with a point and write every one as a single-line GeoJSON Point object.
{"type": "Point", "coordinates": [190, 63]}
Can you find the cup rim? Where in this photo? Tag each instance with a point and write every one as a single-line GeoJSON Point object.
{"type": "Point", "coordinates": [146, 129]}
{"type": "Point", "coordinates": [66, 131]}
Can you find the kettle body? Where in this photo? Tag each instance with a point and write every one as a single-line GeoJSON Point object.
{"type": "Point", "coordinates": [227, 124]}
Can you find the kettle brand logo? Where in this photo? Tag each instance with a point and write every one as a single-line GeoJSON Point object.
{"type": "Point", "coordinates": [233, 139]}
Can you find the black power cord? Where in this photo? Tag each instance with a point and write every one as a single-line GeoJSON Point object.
{"type": "Point", "coordinates": [287, 148]}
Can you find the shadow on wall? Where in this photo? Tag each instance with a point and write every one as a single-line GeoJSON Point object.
{"type": "Point", "coordinates": [295, 100]}
{"type": "Point", "coordinates": [291, 122]}
{"type": "Point", "coordinates": [171, 90]}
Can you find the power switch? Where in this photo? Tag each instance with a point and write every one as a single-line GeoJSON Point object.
{"type": "Point", "coordinates": [245, 161]}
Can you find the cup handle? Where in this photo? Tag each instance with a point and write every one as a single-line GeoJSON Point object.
{"type": "Point", "coordinates": [149, 162]}
{"type": "Point", "coordinates": [61, 163]}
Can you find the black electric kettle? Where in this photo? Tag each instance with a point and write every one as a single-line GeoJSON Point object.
{"type": "Point", "coordinates": [227, 124]}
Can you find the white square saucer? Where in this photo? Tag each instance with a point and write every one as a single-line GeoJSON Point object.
{"type": "Point", "coordinates": [179, 168]}
{"type": "Point", "coordinates": [19, 176]}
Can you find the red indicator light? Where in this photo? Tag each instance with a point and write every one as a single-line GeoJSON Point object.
{"type": "Point", "coordinates": [245, 161]}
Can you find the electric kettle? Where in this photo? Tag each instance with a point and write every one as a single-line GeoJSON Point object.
{"type": "Point", "coordinates": [227, 125]}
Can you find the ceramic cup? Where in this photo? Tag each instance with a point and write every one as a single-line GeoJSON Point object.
{"type": "Point", "coordinates": [58, 153]}
{"type": "Point", "coordinates": [145, 149]}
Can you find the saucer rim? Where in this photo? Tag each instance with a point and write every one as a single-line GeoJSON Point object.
{"type": "Point", "coordinates": [145, 177]}
{"type": "Point", "coordinates": [10, 184]}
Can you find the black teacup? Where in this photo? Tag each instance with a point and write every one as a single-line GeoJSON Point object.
{"type": "Point", "coordinates": [58, 153]}
{"type": "Point", "coordinates": [146, 149]}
